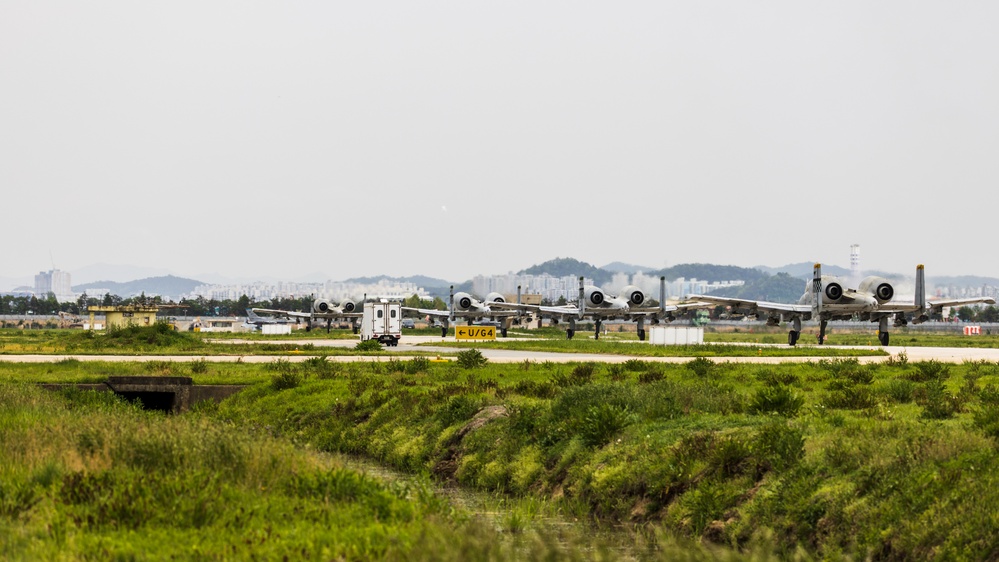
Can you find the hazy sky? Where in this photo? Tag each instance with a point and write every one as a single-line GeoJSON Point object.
{"type": "Point", "coordinates": [456, 138]}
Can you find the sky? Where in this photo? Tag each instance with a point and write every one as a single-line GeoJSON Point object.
{"type": "Point", "coordinates": [449, 139]}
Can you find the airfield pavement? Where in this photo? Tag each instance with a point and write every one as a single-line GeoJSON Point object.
{"type": "Point", "coordinates": [410, 344]}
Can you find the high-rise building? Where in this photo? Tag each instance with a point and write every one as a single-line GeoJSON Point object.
{"type": "Point", "coordinates": [54, 281]}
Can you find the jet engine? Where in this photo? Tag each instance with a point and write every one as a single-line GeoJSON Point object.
{"type": "Point", "coordinates": [495, 297]}
{"type": "Point", "coordinates": [593, 296]}
{"type": "Point", "coordinates": [462, 301]}
{"type": "Point", "coordinates": [877, 286]}
{"type": "Point", "coordinates": [349, 305]}
{"type": "Point", "coordinates": [634, 295]}
{"type": "Point", "coordinates": [320, 305]}
{"type": "Point", "coordinates": [831, 291]}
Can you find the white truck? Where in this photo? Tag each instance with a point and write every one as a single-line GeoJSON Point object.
{"type": "Point", "coordinates": [382, 321]}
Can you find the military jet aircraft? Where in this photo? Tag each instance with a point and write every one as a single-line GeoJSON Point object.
{"type": "Point", "coordinates": [826, 299]}
{"type": "Point", "coordinates": [462, 305]}
{"type": "Point", "coordinates": [322, 309]}
{"type": "Point", "coordinates": [252, 319]}
{"type": "Point", "coordinates": [597, 305]}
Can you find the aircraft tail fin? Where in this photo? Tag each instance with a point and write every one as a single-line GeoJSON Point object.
{"type": "Point", "coordinates": [582, 298]}
{"type": "Point", "coordinates": [662, 295]}
{"type": "Point", "coordinates": [920, 295]}
{"type": "Point", "coordinates": [817, 287]}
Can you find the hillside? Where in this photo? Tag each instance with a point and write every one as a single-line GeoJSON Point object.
{"type": "Point", "coordinates": [561, 267]}
{"type": "Point", "coordinates": [775, 288]}
{"type": "Point", "coordinates": [167, 286]}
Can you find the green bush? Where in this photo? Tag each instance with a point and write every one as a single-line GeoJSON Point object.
{"type": "Point", "coordinates": [778, 400]}
{"type": "Point", "coordinates": [899, 391]}
{"type": "Point", "coordinates": [471, 359]}
{"type": "Point", "coordinates": [938, 403]}
{"type": "Point", "coordinates": [778, 445]}
{"type": "Point", "coordinates": [368, 345]}
{"type": "Point", "coordinates": [286, 380]}
{"type": "Point", "coordinates": [775, 377]}
{"type": "Point", "coordinates": [700, 366]}
{"type": "Point", "coordinates": [924, 371]}
{"type": "Point", "coordinates": [199, 366]}
{"type": "Point", "coordinates": [602, 422]}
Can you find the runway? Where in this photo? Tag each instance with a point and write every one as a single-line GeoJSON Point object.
{"type": "Point", "coordinates": [411, 344]}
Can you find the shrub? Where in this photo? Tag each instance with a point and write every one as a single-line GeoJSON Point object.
{"type": "Point", "coordinates": [774, 377]}
{"type": "Point", "coordinates": [779, 445]}
{"type": "Point", "coordinates": [899, 391]}
{"type": "Point", "coordinates": [938, 404]}
{"type": "Point", "coordinates": [602, 422]}
{"type": "Point", "coordinates": [928, 371]}
{"type": "Point", "coordinates": [199, 366]}
{"type": "Point", "coordinates": [580, 375]}
{"type": "Point", "coordinates": [321, 367]}
{"type": "Point", "coordinates": [778, 400]}
{"type": "Point", "coordinates": [471, 359]}
{"type": "Point", "coordinates": [701, 366]}
{"type": "Point", "coordinates": [368, 345]}
{"type": "Point", "coordinates": [651, 376]}
{"type": "Point", "coordinates": [457, 409]}
{"type": "Point", "coordinates": [851, 398]}
{"type": "Point", "coordinates": [417, 365]}
{"type": "Point", "coordinates": [286, 380]}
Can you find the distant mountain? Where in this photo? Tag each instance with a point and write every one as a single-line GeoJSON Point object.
{"type": "Point", "coordinates": [104, 272]}
{"type": "Point", "coordinates": [619, 267]}
{"type": "Point", "coordinates": [775, 288]}
{"type": "Point", "coordinates": [168, 286]}
{"type": "Point", "coordinates": [803, 269]}
{"type": "Point", "coordinates": [561, 267]}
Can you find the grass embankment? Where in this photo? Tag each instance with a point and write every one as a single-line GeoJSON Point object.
{"type": "Point", "coordinates": [900, 337]}
{"type": "Point", "coordinates": [87, 476]}
{"type": "Point", "coordinates": [639, 349]}
{"type": "Point", "coordinates": [159, 339]}
{"type": "Point", "coordinates": [892, 461]}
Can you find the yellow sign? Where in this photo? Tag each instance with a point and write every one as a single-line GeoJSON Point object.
{"type": "Point", "coordinates": [475, 332]}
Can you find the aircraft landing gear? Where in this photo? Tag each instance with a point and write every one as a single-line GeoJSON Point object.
{"type": "Point", "coordinates": [641, 334]}
{"type": "Point", "coordinates": [883, 331]}
{"type": "Point", "coordinates": [596, 331]}
{"type": "Point", "coordinates": [641, 327]}
{"type": "Point", "coordinates": [503, 332]}
{"type": "Point", "coordinates": [822, 331]}
{"type": "Point", "coordinates": [883, 338]}
{"type": "Point", "coordinates": [569, 333]}
{"type": "Point", "coordinates": [795, 333]}
{"type": "Point", "coordinates": [329, 325]}
{"type": "Point", "coordinates": [792, 338]}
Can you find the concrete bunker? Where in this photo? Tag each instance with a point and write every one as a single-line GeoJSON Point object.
{"type": "Point", "coordinates": [166, 394]}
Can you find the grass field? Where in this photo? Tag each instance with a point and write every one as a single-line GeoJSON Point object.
{"type": "Point", "coordinates": [830, 459]}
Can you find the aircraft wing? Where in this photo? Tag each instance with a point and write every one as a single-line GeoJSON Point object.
{"type": "Point", "coordinates": [428, 312]}
{"type": "Point", "coordinates": [462, 313]}
{"type": "Point", "coordinates": [937, 305]}
{"type": "Point", "coordinates": [334, 314]}
{"type": "Point", "coordinates": [286, 313]}
{"type": "Point", "coordinates": [751, 306]}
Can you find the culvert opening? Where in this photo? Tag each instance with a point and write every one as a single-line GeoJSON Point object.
{"type": "Point", "coordinates": [161, 401]}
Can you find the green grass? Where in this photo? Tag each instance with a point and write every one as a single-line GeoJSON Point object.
{"type": "Point", "coordinates": [830, 459]}
{"type": "Point", "coordinates": [638, 349]}
{"type": "Point", "coordinates": [825, 457]}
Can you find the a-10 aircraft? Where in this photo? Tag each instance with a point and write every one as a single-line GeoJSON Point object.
{"type": "Point", "coordinates": [347, 309]}
{"type": "Point", "coordinates": [826, 299]}
{"type": "Point", "coordinates": [597, 305]}
{"type": "Point", "coordinates": [464, 306]}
